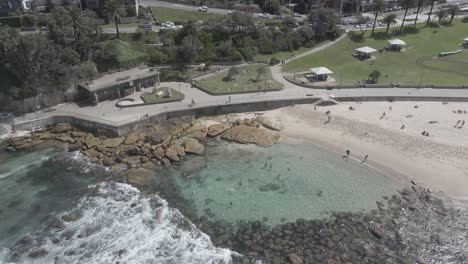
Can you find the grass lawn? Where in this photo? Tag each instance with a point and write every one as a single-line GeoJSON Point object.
{"type": "Point", "coordinates": [418, 64]}
{"type": "Point", "coordinates": [283, 55]}
{"type": "Point", "coordinates": [245, 81]}
{"type": "Point", "coordinates": [163, 14]}
{"type": "Point", "coordinates": [154, 98]}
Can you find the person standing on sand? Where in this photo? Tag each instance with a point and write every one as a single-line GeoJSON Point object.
{"type": "Point", "coordinates": [347, 154]}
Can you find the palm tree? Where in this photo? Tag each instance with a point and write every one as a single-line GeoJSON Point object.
{"type": "Point", "coordinates": [420, 4]}
{"type": "Point", "coordinates": [378, 7]}
{"type": "Point", "coordinates": [389, 19]}
{"type": "Point", "coordinates": [430, 12]}
{"type": "Point", "coordinates": [453, 11]}
{"type": "Point", "coordinates": [441, 14]}
{"type": "Point", "coordinates": [115, 9]}
{"type": "Point", "coordinates": [406, 4]}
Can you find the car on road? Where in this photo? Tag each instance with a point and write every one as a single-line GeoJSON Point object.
{"type": "Point", "coordinates": [264, 15]}
{"type": "Point", "coordinates": [230, 12]}
{"type": "Point", "coordinates": [203, 9]}
{"type": "Point", "coordinates": [146, 26]}
{"type": "Point", "coordinates": [28, 28]}
{"type": "Point", "coordinates": [297, 15]}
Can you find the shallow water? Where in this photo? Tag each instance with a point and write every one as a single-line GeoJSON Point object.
{"type": "Point", "coordinates": [288, 181]}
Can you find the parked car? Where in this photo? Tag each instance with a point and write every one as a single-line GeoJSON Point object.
{"type": "Point", "coordinates": [264, 15]}
{"type": "Point", "coordinates": [203, 9]}
{"type": "Point", "coordinates": [230, 12]}
{"type": "Point", "coordinates": [297, 15]}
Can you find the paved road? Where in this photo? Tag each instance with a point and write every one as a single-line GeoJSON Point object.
{"type": "Point", "coordinates": [155, 3]}
{"type": "Point", "coordinates": [111, 30]}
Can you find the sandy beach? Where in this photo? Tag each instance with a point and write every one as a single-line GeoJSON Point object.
{"type": "Point", "coordinates": [393, 141]}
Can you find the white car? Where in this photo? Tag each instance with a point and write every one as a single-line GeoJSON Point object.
{"type": "Point", "coordinates": [264, 15]}
{"type": "Point", "coordinates": [203, 9]}
{"type": "Point", "coordinates": [297, 15]}
{"type": "Point", "coordinates": [230, 12]}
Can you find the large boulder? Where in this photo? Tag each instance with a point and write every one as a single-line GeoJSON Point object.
{"type": "Point", "coordinates": [217, 129]}
{"type": "Point", "coordinates": [249, 135]}
{"type": "Point", "coordinates": [295, 259]}
{"type": "Point", "coordinates": [158, 153]}
{"type": "Point", "coordinates": [112, 142]}
{"type": "Point", "coordinates": [270, 123]}
{"type": "Point", "coordinates": [140, 176]}
{"type": "Point", "coordinates": [171, 154]}
{"type": "Point", "coordinates": [192, 145]}
{"type": "Point", "coordinates": [138, 135]}
{"type": "Point", "coordinates": [61, 128]}
{"type": "Point", "coordinates": [177, 125]}
{"type": "Point", "coordinates": [91, 141]}
{"type": "Point", "coordinates": [161, 136]}
{"type": "Point", "coordinates": [65, 138]}
{"type": "Point", "coordinates": [197, 132]}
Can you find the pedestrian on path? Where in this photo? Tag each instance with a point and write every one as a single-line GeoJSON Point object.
{"type": "Point", "coordinates": [365, 158]}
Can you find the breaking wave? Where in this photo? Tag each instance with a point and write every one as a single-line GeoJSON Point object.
{"type": "Point", "coordinates": [116, 223]}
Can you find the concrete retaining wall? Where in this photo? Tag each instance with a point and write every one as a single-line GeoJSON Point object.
{"type": "Point", "coordinates": [111, 129]}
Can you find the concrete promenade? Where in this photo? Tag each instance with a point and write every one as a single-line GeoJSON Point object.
{"type": "Point", "coordinates": [108, 114]}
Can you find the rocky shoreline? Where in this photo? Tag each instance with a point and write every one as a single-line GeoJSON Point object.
{"type": "Point", "coordinates": [144, 149]}
{"type": "Point", "coordinates": [415, 226]}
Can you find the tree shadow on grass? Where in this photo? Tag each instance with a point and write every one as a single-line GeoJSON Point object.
{"type": "Point", "coordinates": [356, 37]}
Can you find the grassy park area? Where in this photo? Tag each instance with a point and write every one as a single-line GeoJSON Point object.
{"type": "Point", "coordinates": [419, 63]}
{"type": "Point", "coordinates": [246, 80]}
{"type": "Point", "coordinates": [160, 96]}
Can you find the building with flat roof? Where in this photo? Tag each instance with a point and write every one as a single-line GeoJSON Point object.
{"type": "Point", "coordinates": [117, 84]}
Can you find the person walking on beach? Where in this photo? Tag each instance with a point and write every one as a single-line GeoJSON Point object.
{"type": "Point", "coordinates": [365, 158]}
{"type": "Point", "coordinates": [347, 154]}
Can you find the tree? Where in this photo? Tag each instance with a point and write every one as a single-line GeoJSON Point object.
{"type": "Point", "coordinates": [325, 23]}
{"type": "Point", "coordinates": [261, 71]}
{"type": "Point", "coordinates": [115, 9]}
{"type": "Point", "coordinates": [389, 19]}
{"type": "Point", "coordinates": [378, 7]}
{"type": "Point", "coordinates": [430, 12]}
{"type": "Point", "coordinates": [441, 14]}
{"type": "Point", "coordinates": [453, 10]}
{"type": "Point", "coordinates": [420, 4]}
{"type": "Point", "coordinates": [34, 60]}
{"type": "Point", "coordinates": [190, 48]}
{"type": "Point", "coordinates": [232, 72]}
{"type": "Point", "coordinates": [74, 28]}
{"type": "Point", "coordinates": [406, 4]}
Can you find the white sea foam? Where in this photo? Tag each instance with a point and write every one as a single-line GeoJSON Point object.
{"type": "Point", "coordinates": [118, 223]}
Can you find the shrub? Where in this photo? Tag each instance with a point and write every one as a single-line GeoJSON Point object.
{"type": "Point", "coordinates": [130, 10]}
{"type": "Point", "coordinates": [13, 21]}
{"type": "Point", "coordinates": [465, 19]}
{"type": "Point", "coordinates": [87, 70]}
{"type": "Point", "coordinates": [274, 61]}
{"type": "Point", "coordinates": [433, 24]}
{"type": "Point", "coordinates": [374, 76]}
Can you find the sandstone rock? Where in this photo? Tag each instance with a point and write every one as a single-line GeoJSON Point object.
{"type": "Point", "coordinates": [295, 259]}
{"type": "Point", "coordinates": [46, 135]}
{"type": "Point", "coordinates": [140, 176]}
{"type": "Point", "coordinates": [131, 161]}
{"type": "Point", "coordinates": [166, 162]}
{"type": "Point", "coordinates": [270, 123]}
{"type": "Point", "coordinates": [161, 136]}
{"type": "Point", "coordinates": [171, 154]}
{"type": "Point", "coordinates": [179, 149]}
{"type": "Point", "coordinates": [91, 141]}
{"type": "Point", "coordinates": [120, 167]}
{"type": "Point", "coordinates": [112, 142]}
{"type": "Point", "coordinates": [198, 132]}
{"type": "Point", "coordinates": [78, 134]}
{"type": "Point", "coordinates": [158, 153]}
{"type": "Point", "coordinates": [249, 135]}
{"type": "Point", "coordinates": [192, 145]}
{"type": "Point", "coordinates": [108, 161]}
{"type": "Point", "coordinates": [177, 125]}
{"type": "Point", "coordinates": [217, 129]}
{"type": "Point", "coordinates": [65, 138]}
{"type": "Point", "coordinates": [377, 231]}
{"type": "Point", "coordinates": [75, 146]}
{"type": "Point", "coordinates": [61, 128]}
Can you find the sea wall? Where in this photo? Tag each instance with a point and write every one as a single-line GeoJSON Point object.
{"type": "Point", "coordinates": [120, 129]}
